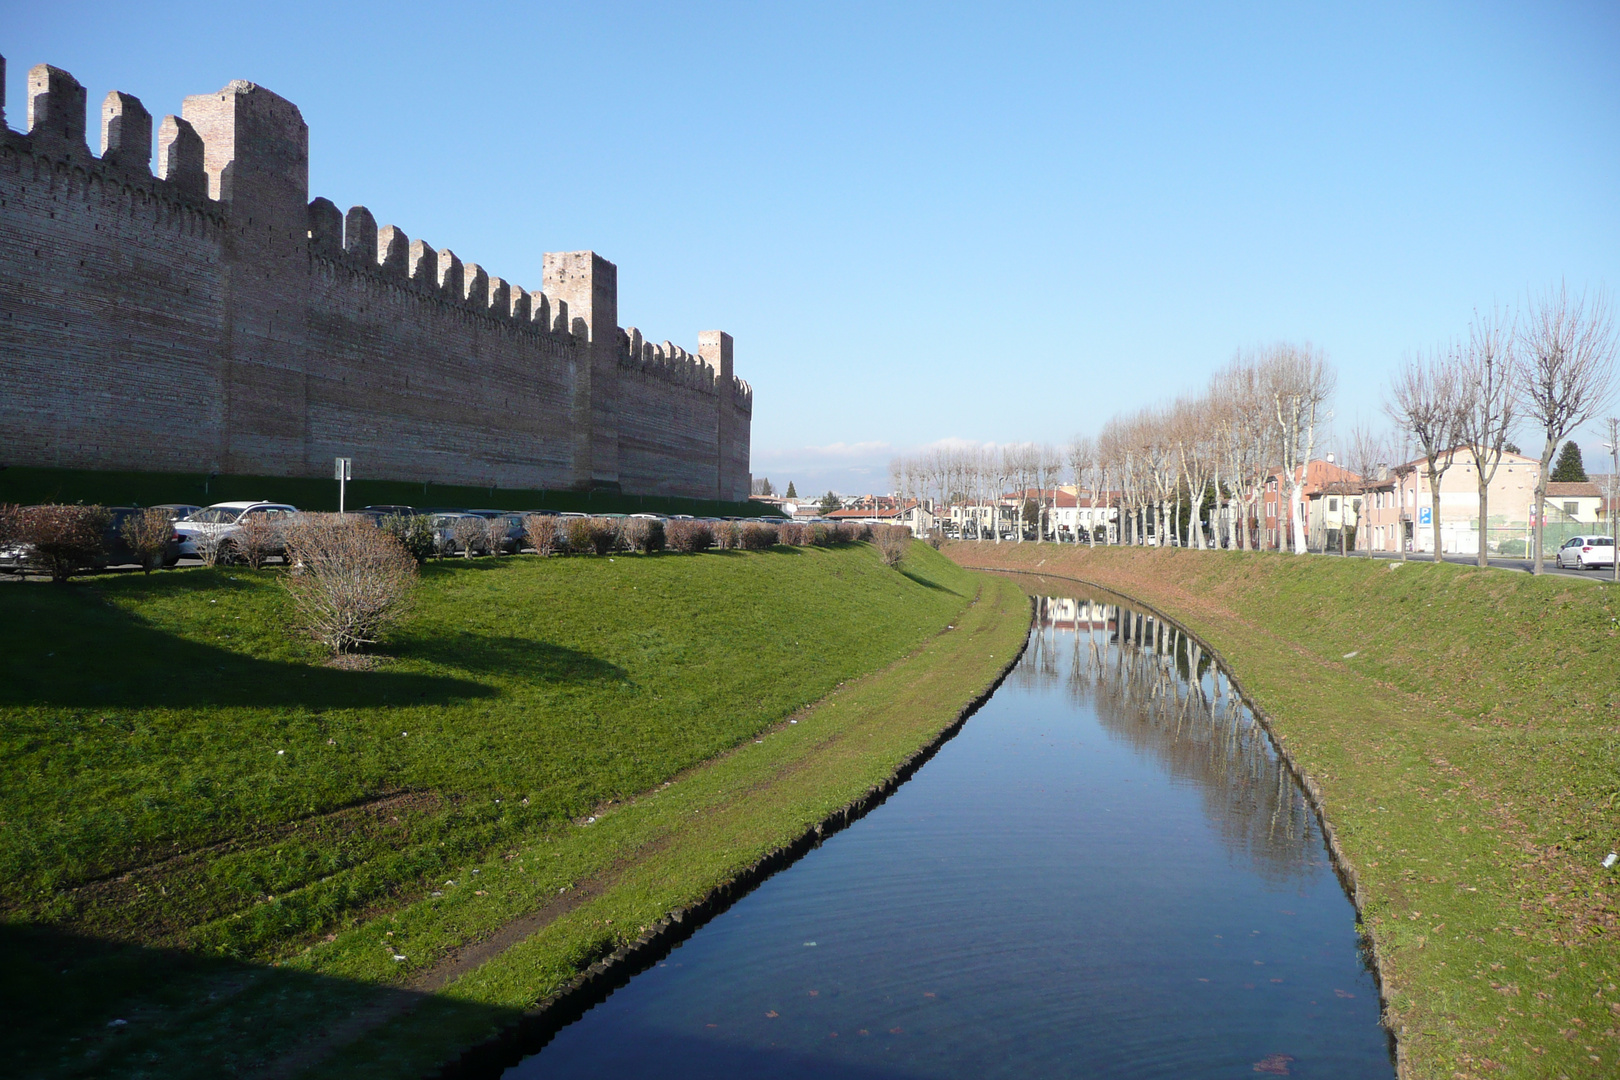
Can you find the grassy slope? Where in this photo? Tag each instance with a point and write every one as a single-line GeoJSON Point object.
{"type": "Point", "coordinates": [176, 714]}
{"type": "Point", "coordinates": [1464, 728]}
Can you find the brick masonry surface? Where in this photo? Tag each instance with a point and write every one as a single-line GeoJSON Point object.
{"type": "Point", "coordinates": [208, 316]}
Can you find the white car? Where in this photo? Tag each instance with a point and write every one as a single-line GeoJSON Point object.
{"type": "Point", "coordinates": [1583, 552]}
{"type": "Point", "coordinates": [219, 522]}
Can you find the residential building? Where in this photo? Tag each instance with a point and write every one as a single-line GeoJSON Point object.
{"type": "Point", "coordinates": [1323, 480]}
{"type": "Point", "coordinates": [1398, 510]}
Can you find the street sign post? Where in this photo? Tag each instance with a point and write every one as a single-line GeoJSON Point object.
{"type": "Point", "coordinates": [342, 472]}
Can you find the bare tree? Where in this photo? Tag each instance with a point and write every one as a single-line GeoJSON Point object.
{"type": "Point", "coordinates": [1488, 379]}
{"type": "Point", "coordinates": [1568, 354]}
{"type": "Point", "coordinates": [1300, 384]}
{"type": "Point", "coordinates": [1367, 457]}
{"type": "Point", "coordinates": [1425, 400]}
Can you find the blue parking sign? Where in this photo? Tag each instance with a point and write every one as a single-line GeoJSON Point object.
{"type": "Point", "coordinates": [1425, 515]}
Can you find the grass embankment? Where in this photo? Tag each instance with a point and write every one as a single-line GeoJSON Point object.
{"type": "Point", "coordinates": [262, 862]}
{"type": "Point", "coordinates": [1464, 729]}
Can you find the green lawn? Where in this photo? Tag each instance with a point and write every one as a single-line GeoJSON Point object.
{"type": "Point", "coordinates": [1464, 729]}
{"type": "Point", "coordinates": [191, 793]}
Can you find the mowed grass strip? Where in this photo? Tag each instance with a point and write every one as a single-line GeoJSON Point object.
{"type": "Point", "coordinates": [182, 770]}
{"type": "Point", "coordinates": [666, 851]}
{"type": "Point", "coordinates": [1464, 729]}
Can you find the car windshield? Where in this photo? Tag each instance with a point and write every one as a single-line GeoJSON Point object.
{"type": "Point", "coordinates": [217, 515]}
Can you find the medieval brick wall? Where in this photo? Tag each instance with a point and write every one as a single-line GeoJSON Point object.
{"type": "Point", "coordinates": [209, 317]}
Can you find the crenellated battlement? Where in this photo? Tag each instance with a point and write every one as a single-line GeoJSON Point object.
{"type": "Point", "coordinates": [181, 289]}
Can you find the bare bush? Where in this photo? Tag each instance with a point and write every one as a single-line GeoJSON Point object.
{"type": "Point", "coordinates": [541, 530]}
{"type": "Point", "coordinates": [467, 534]}
{"type": "Point", "coordinates": [853, 532]}
{"type": "Point", "coordinates": [350, 582]}
{"type": "Point", "coordinates": [495, 530]}
{"type": "Point", "coordinates": [727, 535]}
{"type": "Point", "coordinates": [64, 538]}
{"type": "Point", "coordinates": [256, 538]}
{"type": "Point", "coordinates": [210, 546]}
{"type": "Point", "coordinates": [757, 536]}
{"type": "Point", "coordinates": [891, 542]}
{"type": "Point", "coordinates": [792, 534]}
{"type": "Point", "coordinates": [147, 533]}
{"type": "Point", "coordinates": [936, 538]}
{"type": "Point", "coordinates": [689, 536]}
{"type": "Point", "coordinates": [578, 531]}
{"type": "Point", "coordinates": [602, 534]}
{"type": "Point", "coordinates": [645, 535]}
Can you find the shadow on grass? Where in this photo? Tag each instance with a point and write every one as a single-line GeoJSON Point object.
{"type": "Point", "coordinates": [486, 653]}
{"type": "Point", "coordinates": [63, 647]}
{"type": "Point", "coordinates": [927, 583]}
{"type": "Point", "coordinates": [80, 1006]}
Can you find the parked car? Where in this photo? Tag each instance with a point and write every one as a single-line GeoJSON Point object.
{"type": "Point", "coordinates": [178, 511]}
{"type": "Point", "coordinates": [392, 510]}
{"type": "Point", "coordinates": [221, 521]}
{"type": "Point", "coordinates": [1585, 552]}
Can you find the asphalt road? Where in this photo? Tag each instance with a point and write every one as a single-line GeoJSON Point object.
{"type": "Point", "coordinates": [1522, 565]}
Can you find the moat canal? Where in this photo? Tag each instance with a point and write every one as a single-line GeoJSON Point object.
{"type": "Point", "coordinates": [1107, 873]}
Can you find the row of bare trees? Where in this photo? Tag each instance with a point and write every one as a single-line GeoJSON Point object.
{"type": "Point", "coordinates": [1264, 412]}
{"type": "Point", "coordinates": [1549, 368]}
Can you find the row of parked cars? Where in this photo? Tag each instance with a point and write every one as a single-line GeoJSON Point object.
{"type": "Point", "coordinates": [218, 523]}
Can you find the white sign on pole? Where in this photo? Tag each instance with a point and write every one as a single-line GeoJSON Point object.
{"type": "Point", "coordinates": [342, 472]}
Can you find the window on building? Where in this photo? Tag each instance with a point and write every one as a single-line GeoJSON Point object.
{"type": "Point", "coordinates": [1333, 506]}
{"type": "Point", "coordinates": [1572, 509]}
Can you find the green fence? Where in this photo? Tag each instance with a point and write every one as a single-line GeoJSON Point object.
{"type": "Point", "coordinates": [32, 486]}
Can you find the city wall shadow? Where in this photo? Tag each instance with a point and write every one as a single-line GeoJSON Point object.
{"type": "Point", "coordinates": [63, 647]}
{"type": "Point", "coordinates": [78, 1005]}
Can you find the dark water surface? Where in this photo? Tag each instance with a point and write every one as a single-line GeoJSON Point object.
{"type": "Point", "coordinates": [1107, 873]}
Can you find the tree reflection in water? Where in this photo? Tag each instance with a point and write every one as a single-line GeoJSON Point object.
{"type": "Point", "coordinates": [1154, 687]}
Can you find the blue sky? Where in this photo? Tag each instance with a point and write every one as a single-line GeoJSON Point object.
{"type": "Point", "coordinates": [946, 221]}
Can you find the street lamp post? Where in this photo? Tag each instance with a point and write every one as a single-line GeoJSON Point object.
{"type": "Point", "coordinates": [1613, 447]}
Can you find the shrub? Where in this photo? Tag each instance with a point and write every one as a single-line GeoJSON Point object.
{"type": "Point", "coordinates": [891, 542]}
{"type": "Point", "coordinates": [853, 532]}
{"type": "Point", "coordinates": [541, 532]}
{"type": "Point", "coordinates": [602, 534]}
{"type": "Point", "coordinates": [415, 534]}
{"type": "Point", "coordinates": [936, 537]}
{"type": "Point", "coordinates": [578, 531]}
{"type": "Point", "coordinates": [793, 534]}
{"type": "Point", "coordinates": [645, 535]}
{"type": "Point", "coordinates": [64, 538]}
{"type": "Point", "coordinates": [349, 581]}
{"type": "Point", "coordinates": [757, 536]}
{"type": "Point", "coordinates": [467, 534]}
{"type": "Point", "coordinates": [727, 534]}
{"type": "Point", "coordinates": [495, 530]}
{"type": "Point", "coordinates": [210, 546]}
{"type": "Point", "coordinates": [147, 533]}
{"type": "Point", "coordinates": [256, 538]}
{"type": "Point", "coordinates": [823, 535]}
{"type": "Point", "coordinates": [689, 536]}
